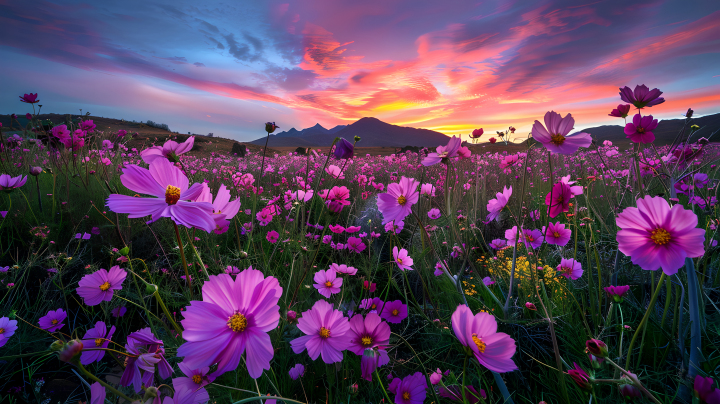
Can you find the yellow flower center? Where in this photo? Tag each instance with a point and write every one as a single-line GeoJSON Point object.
{"type": "Point", "coordinates": [660, 236]}
{"type": "Point", "coordinates": [54, 321]}
{"type": "Point", "coordinates": [406, 395]}
{"type": "Point", "coordinates": [556, 234]}
{"type": "Point", "coordinates": [557, 139]}
{"type": "Point", "coordinates": [105, 286]}
{"type": "Point", "coordinates": [402, 200]}
{"type": "Point", "coordinates": [395, 312]}
{"type": "Point", "coordinates": [366, 340]}
{"type": "Point", "coordinates": [324, 332]}
{"type": "Point", "coordinates": [237, 322]}
{"type": "Point", "coordinates": [172, 195]}
{"type": "Point", "coordinates": [328, 284]}
{"type": "Point", "coordinates": [98, 341]}
{"type": "Point", "coordinates": [399, 260]}
{"type": "Point", "coordinates": [197, 379]}
{"type": "Point", "coordinates": [480, 344]}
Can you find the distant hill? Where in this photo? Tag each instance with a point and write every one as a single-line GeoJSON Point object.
{"type": "Point", "coordinates": [372, 131]}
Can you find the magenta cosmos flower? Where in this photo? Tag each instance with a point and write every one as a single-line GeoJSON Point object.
{"type": "Point", "coordinates": [640, 129]}
{"type": "Point", "coordinates": [223, 209]}
{"type": "Point", "coordinates": [168, 151]}
{"type": "Point", "coordinates": [233, 317]}
{"type": "Point", "coordinates": [621, 111]}
{"type": "Point", "coordinates": [369, 333]}
{"type": "Point", "coordinates": [99, 286]}
{"type": "Point", "coordinates": [533, 238]}
{"type": "Point", "coordinates": [495, 206]}
{"type": "Point", "coordinates": [325, 333]}
{"type": "Point", "coordinates": [409, 390]}
{"type": "Point", "coordinates": [617, 292]}
{"type": "Point", "coordinates": [7, 329]}
{"type": "Point", "coordinates": [402, 259]}
{"type": "Point", "coordinates": [343, 269]}
{"type": "Point", "coordinates": [8, 183]}
{"type": "Point", "coordinates": [169, 186]}
{"type": "Point", "coordinates": [580, 377]}
{"type": "Point", "coordinates": [194, 378]}
{"type": "Point", "coordinates": [642, 96]}
{"type": "Point", "coordinates": [657, 236]}
{"type": "Point", "coordinates": [704, 390]}
{"type": "Point", "coordinates": [397, 203]}
{"type": "Point", "coordinates": [557, 234]}
{"type": "Point", "coordinates": [570, 268]}
{"type": "Point", "coordinates": [53, 320]}
{"type": "Point", "coordinates": [29, 98]}
{"type": "Point", "coordinates": [452, 149]}
{"type": "Point", "coordinates": [96, 337]}
{"type": "Point", "coordinates": [327, 282]}
{"type": "Point", "coordinates": [296, 371]}
{"type": "Point", "coordinates": [492, 349]}
{"type": "Point", "coordinates": [558, 199]}
{"type": "Point", "coordinates": [394, 312]}
{"type": "Point", "coordinates": [555, 138]}
{"type": "Point", "coordinates": [374, 303]}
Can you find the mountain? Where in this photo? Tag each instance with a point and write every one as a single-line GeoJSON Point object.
{"type": "Point", "coordinates": [665, 132]}
{"type": "Point", "coordinates": [372, 131]}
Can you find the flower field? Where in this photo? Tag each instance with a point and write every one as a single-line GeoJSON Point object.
{"type": "Point", "coordinates": [573, 271]}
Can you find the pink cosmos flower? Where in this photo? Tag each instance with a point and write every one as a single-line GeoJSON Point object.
{"type": "Point", "coordinates": [8, 183]}
{"type": "Point", "coordinates": [87, 126]}
{"type": "Point", "coordinates": [394, 312]}
{"type": "Point", "coordinates": [169, 151]}
{"type": "Point", "coordinates": [234, 315]}
{"type": "Point", "coordinates": [580, 377]}
{"type": "Point", "coordinates": [97, 337]}
{"type": "Point", "coordinates": [352, 229]}
{"type": "Point", "coordinates": [560, 202]}
{"type": "Point", "coordinates": [326, 333]}
{"type": "Point", "coordinates": [657, 236]}
{"type": "Point", "coordinates": [617, 292]}
{"type": "Point", "coordinates": [621, 111]}
{"type": "Point", "coordinates": [533, 238]}
{"type": "Point", "coordinates": [402, 259]}
{"type": "Point", "coordinates": [373, 304]}
{"type": "Point", "coordinates": [487, 281]}
{"type": "Point", "coordinates": [574, 189]}
{"type": "Point", "coordinates": [369, 333]}
{"type": "Point", "coordinates": [29, 98]}
{"type": "Point", "coordinates": [557, 234]}
{"type": "Point", "coordinates": [223, 209]}
{"type": "Point", "coordinates": [411, 390]}
{"type": "Point", "coordinates": [642, 96]}
{"type": "Point", "coordinates": [513, 236]}
{"type": "Point", "coordinates": [555, 138]}
{"type": "Point", "coordinates": [194, 378]}
{"type": "Point", "coordinates": [335, 172]}
{"type": "Point", "coordinates": [453, 149]}
{"type": "Point", "coordinates": [355, 244]}
{"type": "Point", "coordinates": [436, 377]}
{"type": "Point", "coordinates": [100, 285]}
{"type": "Point", "coordinates": [169, 186]}
{"type": "Point", "coordinates": [272, 236]}
{"type": "Point", "coordinates": [336, 228]}
{"type": "Point", "coordinates": [640, 129]}
{"type": "Point", "coordinates": [434, 213]}
{"type": "Point", "coordinates": [492, 349]}
{"type": "Point", "coordinates": [369, 286]}
{"type": "Point", "coordinates": [512, 160]}
{"type": "Point", "coordinates": [570, 268]}
{"type": "Point", "coordinates": [7, 330]}
{"type": "Point", "coordinates": [427, 189]}
{"type": "Point", "coordinates": [327, 282]}
{"type": "Point", "coordinates": [397, 203]}
{"type": "Point", "coordinates": [343, 269]}
{"type": "Point", "coordinates": [495, 206]}
{"type": "Point", "coordinates": [53, 320]}
{"type": "Point", "coordinates": [297, 371]}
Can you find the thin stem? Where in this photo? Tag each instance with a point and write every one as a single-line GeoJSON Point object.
{"type": "Point", "coordinates": [644, 319]}
{"type": "Point", "coordinates": [182, 254]}
{"type": "Point", "coordinates": [381, 386]}
{"type": "Point", "coordinates": [107, 386]}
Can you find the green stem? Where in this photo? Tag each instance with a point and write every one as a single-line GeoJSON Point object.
{"type": "Point", "coordinates": [381, 386]}
{"type": "Point", "coordinates": [182, 254]}
{"type": "Point", "coordinates": [167, 313]}
{"type": "Point", "coordinates": [462, 388]}
{"type": "Point", "coordinates": [107, 386]}
{"type": "Point", "coordinates": [644, 320]}
{"type": "Point", "coordinates": [24, 355]}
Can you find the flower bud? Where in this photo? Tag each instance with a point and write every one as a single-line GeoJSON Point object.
{"type": "Point", "coordinates": [150, 393]}
{"type": "Point", "coordinates": [596, 347]}
{"type": "Point", "coordinates": [356, 138]}
{"type": "Point", "coordinates": [580, 377]}
{"type": "Point", "coordinates": [270, 127]}
{"type": "Point", "coordinates": [595, 362]}
{"type": "Point", "coordinates": [35, 171]}
{"type": "Point", "coordinates": [629, 391]}
{"type": "Point", "coordinates": [291, 317]}
{"type": "Point", "coordinates": [150, 288]}
{"type": "Point", "coordinates": [243, 255]}
{"type": "Point", "coordinates": [689, 113]}
{"type": "Point", "coordinates": [57, 345]}
{"type": "Point", "coordinates": [70, 352]}
{"type": "Point", "coordinates": [530, 306]}
{"type": "Point", "coordinates": [353, 389]}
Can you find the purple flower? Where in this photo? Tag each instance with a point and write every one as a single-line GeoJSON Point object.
{"type": "Point", "coordinates": [234, 317]}
{"type": "Point", "coordinates": [53, 320]}
{"type": "Point", "coordinates": [580, 377]}
{"type": "Point", "coordinates": [185, 396]}
{"type": "Point", "coordinates": [343, 269]}
{"type": "Point", "coordinates": [642, 96]}
{"type": "Point", "coordinates": [394, 312]}
{"type": "Point", "coordinates": [97, 393]}
{"type": "Point", "coordinates": [640, 129]}
{"type": "Point", "coordinates": [99, 286]}
{"type": "Point", "coordinates": [29, 98]}
{"type": "Point", "coordinates": [617, 292]}
{"type": "Point", "coordinates": [495, 206]}
{"type": "Point", "coordinates": [487, 281]}
{"type": "Point", "coordinates": [555, 138]}
{"type": "Point", "coordinates": [434, 213]}
{"type": "Point", "coordinates": [411, 390]}
{"type": "Point", "coordinates": [369, 333]}
{"type": "Point", "coordinates": [97, 337]}
{"type": "Point", "coordinates": [119, 311]}
{"type": "Point", "coordinates": [168, 152]}
{"type": "Point", "coordinates": [436, 377]}
{"type": "Point", "coordinates": [498, 243]}
{"type": "Point", "coordinates": [8, 183]}
{"type": "Point", "coordinates": [195, 378]}
{"type": "Point", "coordinates": [343, 149]}
{"type": "Point", "coordinates": [478, 332]}
{"type": "Point", "coordinates": [140, 369]}
{"type": "Point", "coordinates": [355, 244]}
{"type": "Point", "coordinates": [704, 390]}
{"type": "Point", "coordinates": [621, 111]}
{"type": "Point", "coordinates": [452, 149]}
{"type": "Point", "coordinates": [327, 282]}
{"type": "Point", "coordinates": [533, 238]}
{"type": "Point", "coordinates": [570, 268]}
{"type": "Point", "coordinates": [374, 303]}
{"type": "Point", "coordinates": [402, 259]}
{"type": "Point", "coordinates": [557, 234]}
{"type": "Point", "coordinates": [396, 204]}
{"type": "Point", "coordinates": [7, 329]}
{"type": "Point", "coordinates": [297, 371]}
{"type": "Point", "coordinates": [325, 333]}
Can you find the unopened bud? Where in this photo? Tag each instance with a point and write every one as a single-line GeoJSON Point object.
{"type": "Point", "coordinates": [353, 389]}
{"type": "Point", "coordinates": [291, 316]}
{"type": "Point", "coordinates": [150, 288]}
{"type": "Point", "coordinates": [243, 255]}
{"type": "Point", "coordinates": [70, 352]}
{"type": "Point", "coordinates": [150, 393]}
{"type": "Point", "coordinates": [597, 348]}
{"type": "Point", "coordinates": [35, 171]}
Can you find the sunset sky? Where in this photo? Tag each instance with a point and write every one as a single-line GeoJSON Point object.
{"type": "Point", "coordinates": [451, 66]}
